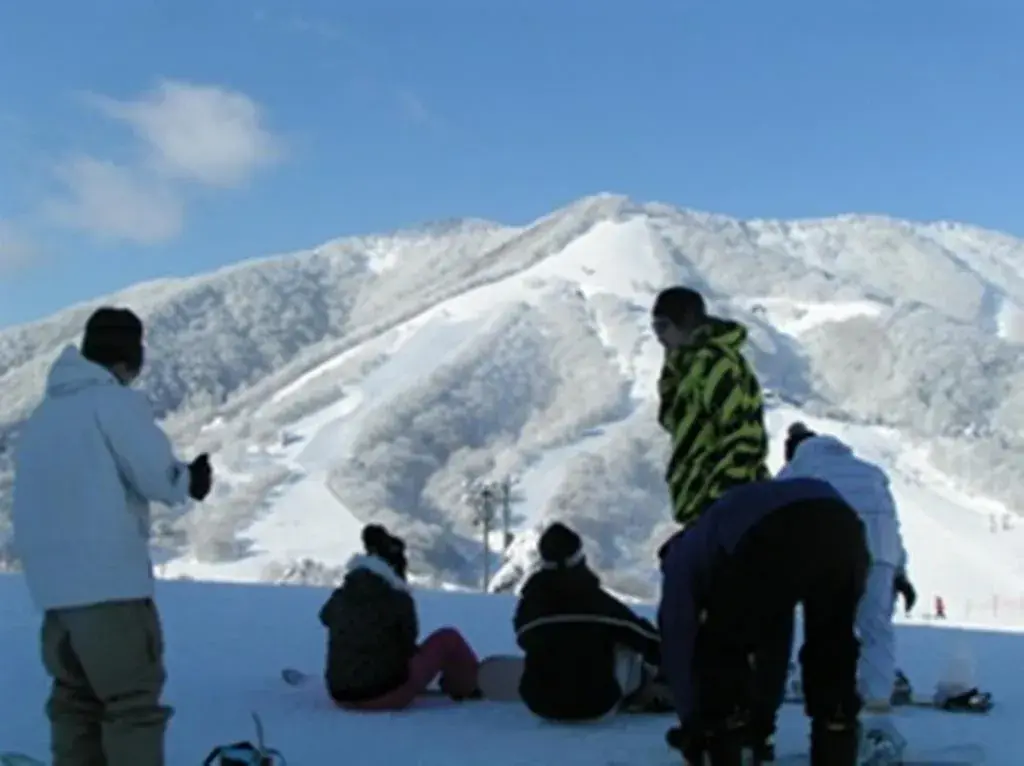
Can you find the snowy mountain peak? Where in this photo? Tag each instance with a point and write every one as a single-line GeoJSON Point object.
{"type": "Point", "coordinates": [371, 377]}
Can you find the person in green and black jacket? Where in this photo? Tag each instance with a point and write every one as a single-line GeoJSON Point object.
{"type": "Point", "coordinates": [710, 404]}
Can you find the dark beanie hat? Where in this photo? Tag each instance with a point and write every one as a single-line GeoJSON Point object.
{"type": "Point", "coordinates": [795, 437]}
{"type": "Point", "coordinates": [113, 336]}
{"type": "Point", "coordinates": [560, 547]}
{"type": "Point", "coordinates": [377, 541]}
{"type": "Point", "coordinates": [679, 304]}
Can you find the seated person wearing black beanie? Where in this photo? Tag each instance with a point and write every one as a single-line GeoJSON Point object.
{"type": "Point", "coordinates": [587, 653]}
{"type": "Point", "coordinates": [373, 659]}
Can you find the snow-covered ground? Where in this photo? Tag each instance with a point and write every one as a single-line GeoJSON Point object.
{"type": "Point", "coordinates": [226, 643]}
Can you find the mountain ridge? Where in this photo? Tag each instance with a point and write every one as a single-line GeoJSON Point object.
{"type": "Point", "coordinates": [530, 339]}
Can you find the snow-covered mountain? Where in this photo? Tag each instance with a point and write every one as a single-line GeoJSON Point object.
{"type": "Point", "coordinates": [371, 377]}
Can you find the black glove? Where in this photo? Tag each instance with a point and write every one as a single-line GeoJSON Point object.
{"type": "Point", "coordinates": [903, 587]}
{"type": "Point", "coordinates": [200, 477]}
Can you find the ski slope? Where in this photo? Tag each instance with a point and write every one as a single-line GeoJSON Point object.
{"type": "Point", "coordinates": [953, 554]}
{"type": "Point", "coordinates": [226, 643]}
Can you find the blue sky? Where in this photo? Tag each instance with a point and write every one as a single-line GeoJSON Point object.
{"type": "Point", "coordinates": [149, 138]}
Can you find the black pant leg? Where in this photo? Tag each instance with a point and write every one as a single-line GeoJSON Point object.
{"type": "Point", "coordinates": [771, 664]}
{"type": "Point", "coordinates": [749, 629]}
{"type": "Point", "coordinates": [829, 655]}
{"type": "Point", "coordinates": [724, 676]}
{"type": "Point", "coordinates": [835, 581]}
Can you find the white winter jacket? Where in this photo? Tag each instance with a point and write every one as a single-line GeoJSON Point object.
{"type": "Point", "coordinates": [87, 463]}
{"type": "Point", "coordinates": [863, 485]}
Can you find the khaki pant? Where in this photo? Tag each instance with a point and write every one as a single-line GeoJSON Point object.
{"type": "Point", "coordinates": [106, 661]}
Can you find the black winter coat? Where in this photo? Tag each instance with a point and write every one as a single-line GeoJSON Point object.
{"type": "Point", "coordinates": [570, 629]}
{"type": "Point", "coordinates": [372, 631]}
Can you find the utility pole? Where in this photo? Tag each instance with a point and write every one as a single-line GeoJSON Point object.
{"type": "Point", "coordinates": [484, 498]}
{"type": "Point", "coordinates": [481, 499]}
{"type": "Point", "coordinates": [505, 488]}
{"type": "Point", "coordinates": [487, 498]}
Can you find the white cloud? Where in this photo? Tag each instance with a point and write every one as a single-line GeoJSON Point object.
{"type": "Point", "coordinates": [187, 135]}
{"type": "Point", "coordinates": [198, 133]}
{"type": "Point", "coordinates": [16, 249]}
{"type": "Point", "coordinates": [116, 202]}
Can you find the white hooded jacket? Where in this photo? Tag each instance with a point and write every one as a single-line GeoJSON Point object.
{"type": "Point", "coordinates": [87, 463]}
{"type": "Point", "coordinates": [863, 485]}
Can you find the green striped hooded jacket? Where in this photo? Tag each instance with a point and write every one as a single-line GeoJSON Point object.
{"type": "Point", "coordinates": [712, 407]}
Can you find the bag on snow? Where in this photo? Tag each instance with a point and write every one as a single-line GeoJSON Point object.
{"type": "Point", "coordinates": [246, 753]}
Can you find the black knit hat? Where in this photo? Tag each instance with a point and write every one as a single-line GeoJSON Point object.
{"type": "Point", "coordinates": [680, 305]}
{"type": "Point", "coordinates": [113, 336]}
{"type": "Point", "coordinates": [377, 541]}
{"type": "Point", "coordinates": [560, 547]}
{"type": "Point", "coordinates": [795, 437]}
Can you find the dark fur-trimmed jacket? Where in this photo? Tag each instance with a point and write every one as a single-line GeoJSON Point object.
{"type": "Point", "coordinates": [372, 630]}
{"type": "Point", "coordinates": [569, 629]}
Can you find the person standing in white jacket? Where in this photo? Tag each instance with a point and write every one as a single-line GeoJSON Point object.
{"type": "Point", "coordinates": [87, 463]}
{"type": "Point", "coordinates": [865, 487]}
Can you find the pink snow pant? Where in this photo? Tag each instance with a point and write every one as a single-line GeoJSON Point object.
{"type": "Point", "coordinates": [444, 652]}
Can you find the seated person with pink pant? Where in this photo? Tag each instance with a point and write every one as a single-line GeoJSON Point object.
{"type": "Point", "coordinates": [373, 660]}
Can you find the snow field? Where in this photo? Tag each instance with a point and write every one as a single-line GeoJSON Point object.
{"type": "Point", "coordinates": [226, 644]}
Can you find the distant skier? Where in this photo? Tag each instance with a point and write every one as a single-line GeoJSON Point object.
{"type": "Point", "coordinates": [711, 403]}
{"type": "Point", "coordinates": [940, 608]}
{"type": "Point", "coordinates": [587, 653]}
{"type": "Point", "coordinates": [730, 583]}
{"type": "Point", "coordinates": [865, 487]}
{"type": "Point", "coordinates": [373, 660]}
{"type": "Point", "coordinates": [87, 463]}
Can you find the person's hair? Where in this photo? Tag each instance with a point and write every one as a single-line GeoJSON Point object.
{"type": "Point", "coordinates": [795, 436]}
{"type": "Point", "coordinates": [113, 336]}
{"type": "Point", "coordinates": [377, 541]}
{"type": "Point", "coordinates": [680, 305]}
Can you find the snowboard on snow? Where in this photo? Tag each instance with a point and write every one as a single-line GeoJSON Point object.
{"type": "Point", "coordinates": [980, 705]}
{"type": "Point", "coordinates": [951, 755]}
{"type": "Point", "coordinates": [296, 677]}
{"type": "Point", "coordinates": [974, 701]}
{"type": "Point", "coordinates": [499, 675]}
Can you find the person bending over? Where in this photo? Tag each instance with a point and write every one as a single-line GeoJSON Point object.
{"type": "Point", "coordinates": [865, 486]}
{"type": "Point", "coordinates": [730, 583]}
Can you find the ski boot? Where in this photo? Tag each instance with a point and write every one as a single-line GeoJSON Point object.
{"type": "Point", "coordinates": [760, 738]}
{"type": "Point", "coordinates": [880, 743]}
{"type": "Point", "coordinates": [725, 745]}
{"type": "Point", "coordinates": [834, 741]}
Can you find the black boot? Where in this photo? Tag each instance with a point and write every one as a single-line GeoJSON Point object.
{"type": "Point", "coordinates": [725, 750]}
{"type": "Point", "coordinates": [834, 742]}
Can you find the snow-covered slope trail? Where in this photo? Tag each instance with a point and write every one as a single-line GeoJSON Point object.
{"type": "Point", "coordinates": [226, 644]}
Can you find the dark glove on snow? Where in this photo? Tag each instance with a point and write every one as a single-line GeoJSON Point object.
{"type": "Point", "coordinates": [200, 477]}
{"type": "Point", "coordinates": [903, 586]}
